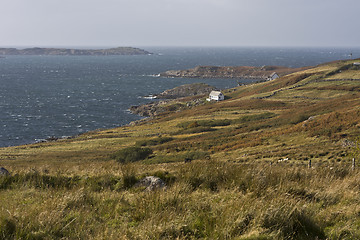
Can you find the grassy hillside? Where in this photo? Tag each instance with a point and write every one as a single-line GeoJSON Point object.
{"type": "Point", "coordinates": [249, 178]}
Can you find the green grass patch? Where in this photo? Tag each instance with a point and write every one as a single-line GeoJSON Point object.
{"type": "Point", "coordinates": [204, 123]}
{"type": "Point", "coordinates": [131, 154]}
{"type": "Point", "coordinates": [256, 117]}
{"type": "Point", "coordinates": [154, 141]}
{"type": "Point", "coordinates": [178, 157]}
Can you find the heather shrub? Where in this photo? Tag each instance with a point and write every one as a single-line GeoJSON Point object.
{"type": "Point", "coordinates": [299, 118]}
{"type": "Point", "coordinates": [7, 228]}
{"type": "Point", "coordinates": [153, 142]}
{"type": "Point", "coordinates": [129, 172]}
{"type": "Point", "coordinates": [196, 130]}
{"type": "Point", "coordinates": [180, 157]}
{"type": "Point", "coordinates": [291, 223]}
{"type": "Point", "coordinates": [256, 117]}
{"type": "Point", "coordinates": [131, 154]}
{"type": "Point", "coordinates": [204, 123]}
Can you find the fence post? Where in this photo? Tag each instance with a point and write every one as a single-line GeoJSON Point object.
{"type": "Point", "coordinates": [353, 164]}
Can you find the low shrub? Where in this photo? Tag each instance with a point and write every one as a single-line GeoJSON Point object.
{"type": "Point", "coordinates": [7, 229]}
{"type": "Point", "coordinates": [204, 123]}
{"type": "Point", "coordinates": [256, 117]}
{"type": "Point", "coordinates": [153, 142]}
{"type": "Point", "coordinates": [38, 181]}
{"type": "Point", "coordinates": [99, 183]}
{"type": "Point", "coordinates": [180, 157]}
{"type": "Point", "coordinates": [129, 172]}
{"type": "Point", "coordinates": [196, 130]}
{"type": "Point", "coordinates": [258, 127]}
{"type": "Point", "coordinates": [173, 107]}
{"type": "Point", "coordinates": [131, 154]}
{"type": "Point", "coordinates": [292, 224]}
{"type": "Point", "coordinates": [299, 118]}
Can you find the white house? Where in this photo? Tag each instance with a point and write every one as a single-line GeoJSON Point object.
{"type": "Point", "coordinates": [216, 96]}
{"type": "Point", "coordinates": [273, 76]}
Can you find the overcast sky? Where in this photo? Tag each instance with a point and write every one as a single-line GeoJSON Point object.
{"type": "Point", "coordinates": [180, 23]}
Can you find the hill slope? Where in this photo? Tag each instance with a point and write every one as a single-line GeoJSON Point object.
{"type": "Point", "coordinates": [249, 178]}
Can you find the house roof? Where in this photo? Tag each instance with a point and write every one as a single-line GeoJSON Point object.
{"type": "Point", "coordinates": [273, 74]}
{"type": "Point", "coordinates": [215, 93]}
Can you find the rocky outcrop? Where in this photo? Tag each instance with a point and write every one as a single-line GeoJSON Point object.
{"type": "Point", "coordinates": [186, 90]}
{"type": "Point", "coordinates": [155, 108]}
{"type": "Point", "coordinates": [230, 72]}
{"type": "Point", "coordinates": [151, 183]}
{"type": "Point", "coordinates": [148, 110]}
{"type": "Point", "coordinates": [68, 51]}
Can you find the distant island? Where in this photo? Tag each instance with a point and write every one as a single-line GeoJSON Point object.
{"type": "Point", "coordinates": [75, 52]}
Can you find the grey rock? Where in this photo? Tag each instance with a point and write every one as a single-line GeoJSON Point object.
{"type": "Point", "coordinates": [4, 172]}
{"type": "Point", "coordinates": [188, 90]}
{"type": "Point", "coordinates": [151, 183]}
{"type": "Point", "coordinates": [347, 143]}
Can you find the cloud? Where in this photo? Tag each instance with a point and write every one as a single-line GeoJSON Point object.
{"type": "Point", "coordinates": [179, 22]}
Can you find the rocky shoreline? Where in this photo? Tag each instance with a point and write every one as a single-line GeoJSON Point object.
{"type": "Point", "coordinates": [244, 72]}
{"type": "Point", "coordinates": [186, 90]}
{"type": "Point", "coordinates": [174, 99]}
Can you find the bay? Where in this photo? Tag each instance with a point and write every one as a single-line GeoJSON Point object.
{"type": "Point", "coordinates": [45, 96]}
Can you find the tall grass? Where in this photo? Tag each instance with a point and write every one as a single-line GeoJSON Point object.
{"type": "Point", "coordinates": [229, 191]}
{"type": "Point", "coordinates": [205, 199]}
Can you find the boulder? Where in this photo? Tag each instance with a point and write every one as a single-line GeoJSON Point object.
{"type": "Point", "coordinates": [4, 172]}
{"type": "Point", "coordinates": [151, 183]}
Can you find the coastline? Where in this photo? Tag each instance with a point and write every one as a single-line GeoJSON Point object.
{"type": "Point", "coordinates": [165, 101]}
{"type": "Point", "coordinates": [10, 134]}
{"type": "Point", "coordinates": [236, 72]}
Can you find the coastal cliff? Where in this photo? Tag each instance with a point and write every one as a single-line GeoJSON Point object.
{"type": "Point", "coordinates": [69, 51]}
{"type": "Point", "coordinates": [247, 72]}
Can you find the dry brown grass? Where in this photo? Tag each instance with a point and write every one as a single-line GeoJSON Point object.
{"type": "Point", "coordinates": [72, 189]}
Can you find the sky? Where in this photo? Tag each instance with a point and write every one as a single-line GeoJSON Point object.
{"type": "Point", "coordinates": [265, 23]}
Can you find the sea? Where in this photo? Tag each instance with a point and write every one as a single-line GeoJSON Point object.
{"type": "Point", "coordinates": [45, 97]}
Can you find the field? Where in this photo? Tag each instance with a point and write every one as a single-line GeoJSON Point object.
{"type": "Point", "coordinates": [249, 175]}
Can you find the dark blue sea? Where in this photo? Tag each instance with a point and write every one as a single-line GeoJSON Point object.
{"type": "Point", "coordinates": [57, 96]}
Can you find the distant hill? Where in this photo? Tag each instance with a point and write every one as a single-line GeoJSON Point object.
{"type": "Point", "coordinates": [69, 51]}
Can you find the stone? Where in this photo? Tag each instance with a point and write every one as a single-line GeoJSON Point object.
{"type": "Point", "coordinates": [347, 143]}
{"type": "Point", "coordinates": [151, 183]}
